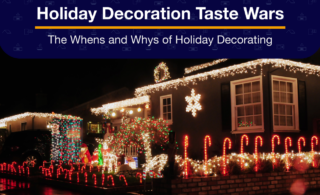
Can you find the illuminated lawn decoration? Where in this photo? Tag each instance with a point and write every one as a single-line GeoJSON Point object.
{"type": "Point", "coordinates": [247, 142]}
{"type": "Point", "coordinates": [312, 148]}
{"type": "Point", "coordinates": [287, 155]}
{"type": "Point", "coordinates": [86, 177]}
{"type": "Point", "coordinates": [186, 144]}
{"type": "Point", "coordinates": [140, 176]}
{"type": "Point", "coordinates": [224, 153]}
{"type": "Point", "coordinates": [299, 143]}
{"type": "Point", "coordinates": [83, 168]}
{"type": "Point", "coordinates": [272, 143]}
{"type": "Point", "coordinates": [94, 176]}
{"type": "Point", "coordinates": [256, 150]}
{"type": "Point", "coordinates": [111, 177]}
{"type": "Point", "coordinates": [66, 172]}
{"type": "Point", "coordinates": [193, 103]}
{"type": "Point", "coordinates": [206, 153]}
{"type": "Point", "coordinates": [102, 179]}
{"type": "Point", "coordinates": [124, 179]}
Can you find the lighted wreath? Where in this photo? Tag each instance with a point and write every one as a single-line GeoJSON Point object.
{"type": "Point", "coordinates": [164, 67]}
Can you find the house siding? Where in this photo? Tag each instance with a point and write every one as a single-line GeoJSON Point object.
{"type": "Point", "coordinates": [208, 121]}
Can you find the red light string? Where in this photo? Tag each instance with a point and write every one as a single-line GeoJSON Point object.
{"type": "Point", "coordinates": [299, 143]}
{"type": "Point", "coordinates": [206, 153]}
{"type": "Point", "coordinates": [256, 150]}
{"type": "Point", "coordinates": [247, 143]}
{"type": "Point", "coordinates": [224, 153]}
{"type": "Point", "coordinates": [186, 145]}
{"type": "Point", "coordinates": [287, 155]}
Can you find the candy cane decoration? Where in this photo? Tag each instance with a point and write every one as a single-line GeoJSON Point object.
{"type": "Point", "coordinates": [286, 146]}
{"type": "Point", "coordinates": [256, 150]}
{"type": "Point", "coordinates": [299, 144]}
{"type": "Point", "coordinates": [83, 168]}
{"type": "Point", "coordinates": [4, 165]}
{"type": "Point", "coordinates": [110, 176]}
{"type": "Point", "coordinates": [19, 169]}
{"type": "Point", "coordinates": [102, 178]}
{"type": "Point", "coordinates": [70, 162]}
{"type": "Point", "coordinates": [99, 168]}
{"type": "Point", "coordinates": [51, 168]}
{"type": "Point", "coordinates": [70, 175]}
{"type": "Point", "coordinates": [28, 171]}
{"type": "Point", "coordinates": [23, 170]}
{"type": "Point", "coordinates": [52, 161]}
{"type": "Point", "coordinates": [140, 176]}
{"type": "Point", "coordinates": [33, 163]}
{"type": "Point", "coordinates": [78, 177]}
{"type": "Point", "coordinates": [312, 148]}
{"type": "Point", "coordinates": [247, 142]}
{"type": "Point", "coordinates": [79, 167]}
{"type": "Point", "coordinates": [206, 153]}
{"type": "Point", "coordinates": [66, 172]}
{"type": "Point", "coordinates": [224, 153]}
{"type": "Point", "coordinates": [25, 162]}
{"type": "Point", "coordinates": [186, 145]}
{"type": "Point", "coordinates": [43, 163]}
{"type": "Point", "coordinates": [58, 173]}
{"type": "Point", "coordinates": [60, 162]}
{"type": "Point", "coordinates": [273, 138]}
{"type": "Point", "coordinates": [124, 179]}
{"type": "Point", "coordinates": [95, 178]}
{"type": "Point", "coordinates": [86, 175]}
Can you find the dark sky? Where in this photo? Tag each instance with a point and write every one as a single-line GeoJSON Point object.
{"type": "Point", "coordinates": [67, 83]}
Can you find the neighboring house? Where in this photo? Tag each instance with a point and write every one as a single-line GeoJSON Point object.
{"type": "Point", "coordinates": [27, 121]}
{"type": "Point", "coordinates": [261, 97]}
{"type": "Point", "coordinates": [95, 126]}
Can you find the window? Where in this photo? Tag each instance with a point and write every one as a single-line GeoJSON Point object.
{"type": "Point", "coordinates": [247, 105]}
{"type": "Point", "coordinates": [166, 108]}
{"type": "Point", "coordinates": [285, 104]}
{"type": "Point", "coordinates": [23, 126]}
{"type": "Point", "coordinates": [95, 128]}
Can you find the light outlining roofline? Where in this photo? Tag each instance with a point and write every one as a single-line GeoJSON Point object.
{"type": "Point", "coordinates": [309, 69]}
{"type": "Point", "coordinates": [121, 104]}
{"type": "Point", "coordinates": [4, 121]}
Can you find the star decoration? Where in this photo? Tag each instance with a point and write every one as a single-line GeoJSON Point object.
{"type": "Point", "coordinates": [193, 103]}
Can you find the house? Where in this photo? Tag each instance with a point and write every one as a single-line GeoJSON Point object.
{"type": "Point", "coordinates": [96, 126]}
{"type": "Point", "coordinates": [263, 97]}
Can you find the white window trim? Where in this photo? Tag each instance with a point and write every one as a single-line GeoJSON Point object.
{"type": "Point", "coordinates": [234, 122]}
{"type": "Point", "coordinates": [295, 103]}
{"type": "Point", "coordinates": [170, 122]}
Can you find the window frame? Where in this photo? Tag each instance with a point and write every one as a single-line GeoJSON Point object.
{"type": "Point", "coordinates": [161, 107]}
{"type": "Point", "coordinates": [25, 126]}
{"type": "Point", "coordinates": [254, 129]}
{"type": "Point", "coordinates": [295, 127]}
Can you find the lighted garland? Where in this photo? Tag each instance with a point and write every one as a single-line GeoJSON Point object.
{"type": "Point", "coordinates": [164, 67]}
{"type": "Point", "coordinates": [201, 66]}
{"type": "Point", "coordinates": [69, 142]}
{"type": "Point", "coordinates": [132, 133]}
{"type": "Point", "coordinates": [246, 67]}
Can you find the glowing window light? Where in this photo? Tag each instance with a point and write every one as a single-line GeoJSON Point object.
{"type": "Point", "coordinates": [121, 105]}
{"type": "Point", "coordinates": [256, 149]}
{"type": "Point", "coordinates": [299, 143]}
{"type": "Point", "coordinates": [206, 153]}
{"type": "Point", "coordinates": [247, 142]}
{"type": "Point", "coordinates": [110, 176]}
{"type": "Point", "coordinates": [94, 176]}
{"type": "Point", "coordinates": [186, 145]}
{"type": "Point", "coordinates": [312, 148]}
{"type": "Point", "coordinates": [86, 177]}
{"type": "Point", "coordinates": [287, 155]}
{"type": "Point", "coordinates": [224, 153]}
{"type": "Point", "coordinates": [124, 179]}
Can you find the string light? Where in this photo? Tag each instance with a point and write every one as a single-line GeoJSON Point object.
{"type": "Point", "coordinates": [164, 67]}
{"type": "Point", "coordinates": [230, 71]}
{"type": "Point", "coordinates": [124, 179]}
{"type": "Point", "coordinates": [110, 176]}
{"type": "Point", "coordinates": [286, 146]}
{"type": "Point", "coordinates": [202, 66]}
{"type": "Point", "coordinates": [193, 103]}
{"type": "Point", "coordinates": [66, 172]}
{"type": "Point", "coordinates": [224, 153]}
{"type": "Point", "coordinates": [256, 150]}
{"type": "Point", "coordinates": [272, 143]}
{"type": "Point", "coordinates": [121, 104]}
{"type": "Point", "coordinates": [186, 145]}
{"type": "Point", "coordinates": [312, 148]}
{"type": "Point", "coordinates": [78, 177]}
{"type": "Point", "coordinates": [102, 178]}
{"type": "Point", "coordinates": [140, 176]}
{"type": "Point", "coordinates": [304, 143]}
{"type": "Point", "coordinates": [206, 153]}
{"type": "Point", "coordinates": [139, 109]}
{"type": "Point", "coordinates": [247, 142]}
{"type": "Point", "coordinates": [95, 179]}
{"type": "Point", "coordinates": [83, 168]}
{"type": "Point", "coordinates": [86, 177]}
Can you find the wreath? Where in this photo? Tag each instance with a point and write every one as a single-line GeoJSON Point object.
{"type": "Point", "coordinates": [164, 67]}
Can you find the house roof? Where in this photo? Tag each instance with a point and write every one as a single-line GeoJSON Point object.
{"type": "Point", "coordinates": [121, 104]}
{"type": "Point", "coordinates": [228, 71]}
{"type": "Point", "coordinates": [4, 121]}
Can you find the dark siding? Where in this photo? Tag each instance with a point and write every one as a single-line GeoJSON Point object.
{"type": "Point", "coordinates": [226, 106]}
{"type": "Point", "coordinates": [303, 114]}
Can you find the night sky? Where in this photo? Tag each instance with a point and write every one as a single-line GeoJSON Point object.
{"type": "Point", "coordinates": [65, 83]}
